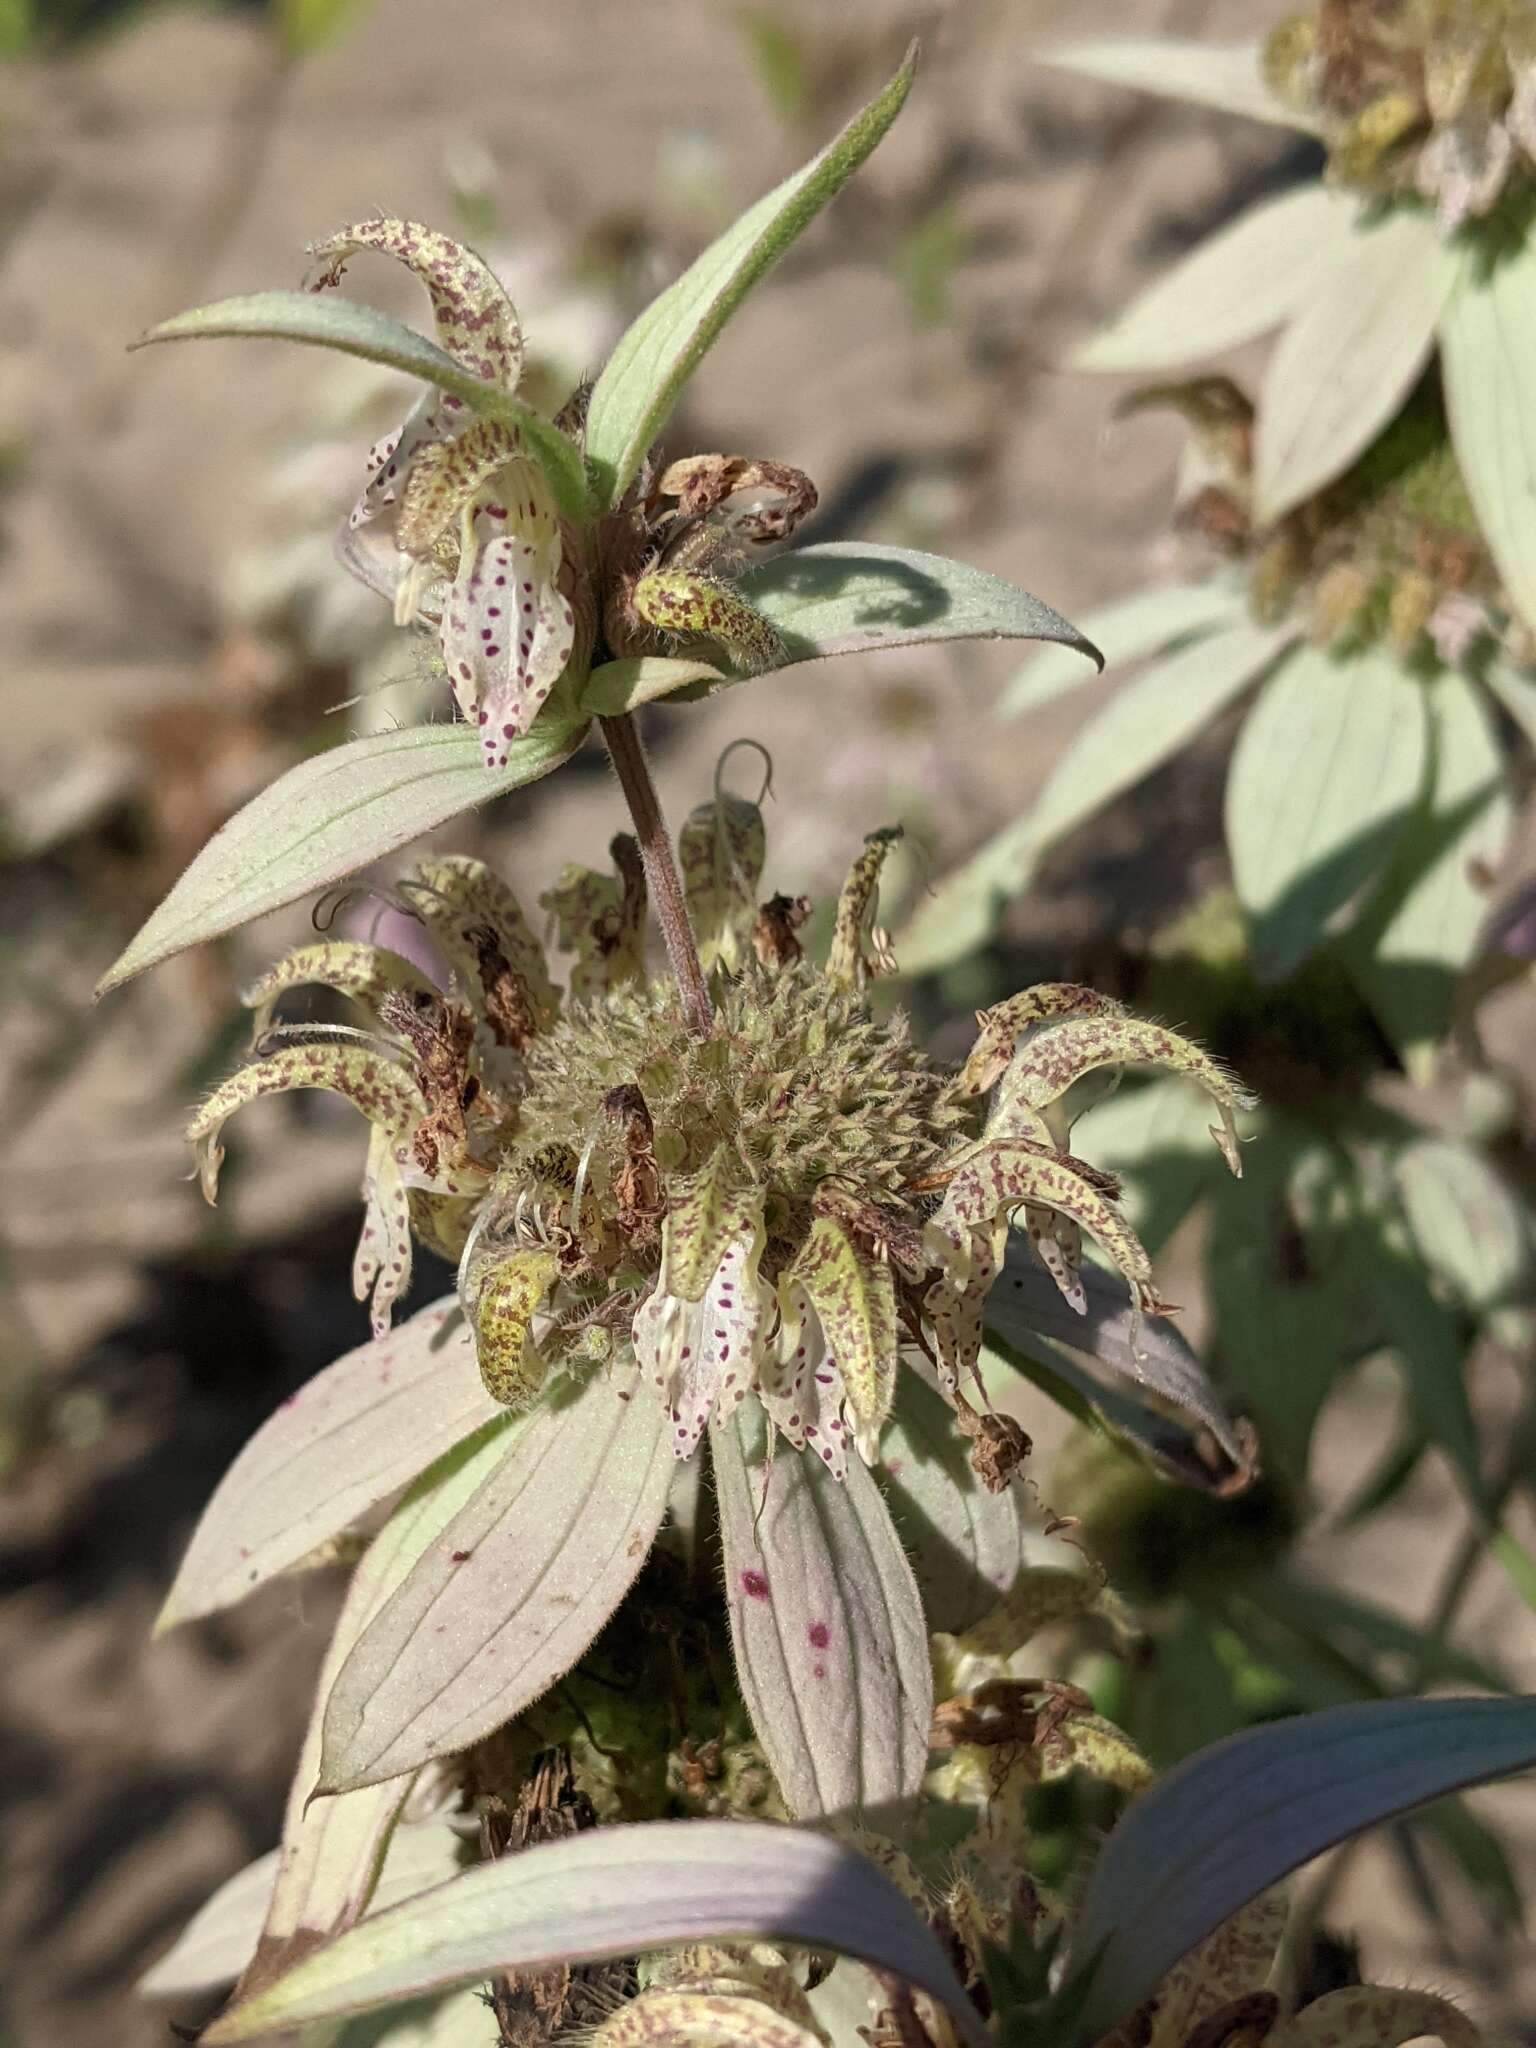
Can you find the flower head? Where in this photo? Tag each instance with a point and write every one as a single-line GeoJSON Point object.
{"type": "Point", "coordinates": [1433, 97]}
{"type": "Point", "coordinates": [459, 523]}
{"type": "Point", "coordinates": [785, 1208]}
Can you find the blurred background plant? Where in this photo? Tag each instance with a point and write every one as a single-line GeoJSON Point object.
{"type": "Point", "coordinates": [1365, 1294]}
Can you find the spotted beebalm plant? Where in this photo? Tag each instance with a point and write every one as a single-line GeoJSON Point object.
{"type": "Point", "coordinates": [735, 1206]}
{"type": "Point", "coordinates": [727, 1246]}
{"type": "Point", "coordinates": [1416, 239]}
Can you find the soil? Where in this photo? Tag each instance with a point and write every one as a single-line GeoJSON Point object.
{"type": "Point", "coordinates": [178, 160]}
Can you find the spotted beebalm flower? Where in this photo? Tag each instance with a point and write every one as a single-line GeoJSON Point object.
{"type": "Point", "coordinates": [779, 1210]}
{"type": "Point", "coordinates": [1417, 239]}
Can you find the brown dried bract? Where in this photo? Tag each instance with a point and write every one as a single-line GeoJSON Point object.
{"type": "Point", "coordinates": [639, 1191]}
{"type": "Point", "coordinates": [999, 1447]}
{"type": "Point", "coordinates": [773, 933]}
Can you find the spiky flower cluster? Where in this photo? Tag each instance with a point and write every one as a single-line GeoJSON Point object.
{"type": "Point", "coordinates": [783, 1207]}
{"type": "Point", "coordinates": [460, 525]}
{"type": "Point", "coordinates": [1392, 551]}
{"type": "Point", "coordinates": [1433, 97]}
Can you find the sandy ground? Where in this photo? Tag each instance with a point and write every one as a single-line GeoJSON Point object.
{"type": "Point", "coordinates": [178, 163]}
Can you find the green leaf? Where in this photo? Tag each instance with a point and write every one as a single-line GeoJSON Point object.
{"type": "Point", "coordinates": [329, 817]}
{"type": "Point", "coordinates": [220, 1938]}
{"type": "Point", "coordinates": [619, 686]}
{"type": "Point", "coordinates": [1408, 947]}
{"type": "Point", "coordinates": [357, 330]}
{"type": "Point", "coordinates": [1433, 1351]}
{"type": "Point", "coordinates": [1026, 1307]}
{"type": "Point", "coordinates": [1143, 725]}
{"type": "Point", "coordinates": [967, 1545]}
{"type": "Point", "coordinates": [852, 597]}
{"type": "Point", "coordinates": [1516, 691]}
{"type": "Point", "coordinates": [1490, 393]}
{"type": "Point", "coordinates": [1335, 1618]}
{"type": "Point", "coordinates": [1242, 281]}
{"type": "Point", "coordinates": [1350, 356]}
{"type": "Point", "coordinates": [332, 1848]}
{"type": "Point", "coordinates": [463, 2019]}
{"type": "Point", "coordinates": [1327, 767]}
{"type": "Point", "coordinates": [1227, 76]}
{"type": "Point", "coordinates": [828, 1629]}
{"type": "Point", "coordinates": [511, 1594]}
{"type": "Point", "coordinates": [1146, 622]}
{"type": "Point", "coordinates": [1236, 1818]}
{"type": "Point", "coordinates": [660, 351]}
{"type": "Point", "coordinates": [1469, 1225]}
{"type": "Point", "coordinates": [614, 1892]}
{"type": "Point", "coordinates": [347, 1440]}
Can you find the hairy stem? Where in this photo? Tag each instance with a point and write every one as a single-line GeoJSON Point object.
{"type": "Point", "coordinates": [624, 750]}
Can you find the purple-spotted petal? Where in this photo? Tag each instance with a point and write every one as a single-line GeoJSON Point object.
{"type": "Point", "coordinates": [508, 631]}
{"type": "Point", "coordinates": [476, 322]}
{"type": "Point", "coordinates": [801, 1387]}
{"type": "Point", "coordinates": [701, 1357]}
{"type": "Point", "coordinates": [1058, 1245]}
{"type": "Point", "coordinates": [381, 1265]}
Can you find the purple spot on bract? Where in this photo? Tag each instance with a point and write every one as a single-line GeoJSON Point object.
{"type": "Point", "coordinates": [754, 1585]}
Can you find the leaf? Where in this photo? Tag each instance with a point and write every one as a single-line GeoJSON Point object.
{"type": "Point", "coordinates": [357, 330]}
{"type": "Point", "coordinates": [614, 1892]}
{"type": "Point", "coordinates": [1025, 1306]}
{"type": "Point", "coordinates": [1146, 622]}
{"type": "Point", "coordinates": [511, 1595]}
{"type": "Point", "coordinates": [966, 1545]}
{"type": "Point", "coordinates": [348, 1439]}
{"type": "Point", "coordinates": [828, 1629]}
{"type": "Point", "coordinates": [615, 687]}
{"type": "Point", "coordinates": [220, 1938]}
{"type": "Point", "coordinates": [1327, 767]}
{"type": "Point", "coordinates": [1516, 692]}
{"type": "Point", "coordinates": [464, 2019]}
{"type": "Point", "coordinates": [660, 351]}
{"type": "Point", "coordinates": [1233, 1820]}
{"type": "Point", "coordinates": [1432, 1348]}
{"type": "Point", "coordinates": [1339, 1621]}
{"type": "Point", "coordinates": [333, 1848]}
{"type": "Point", "coordinates": [1142, 725]}
{"type": "Point", "coordinates": [329, 817]}
{"type": "Point", "coordinates": [1470, 1227]}
{"type": "Point", "coordinates": [1490, 394]}
{"type": "Point", "coordinates": [1410, 943]}
{"type": "Point", "coordinates": [218, 1941]}
{"type": "Point", "coordinates": [1227, 76]}
{"type": "Point", "coordinates": [1350, 356]}
{"type": "Point", "coordinates": [1245, 279]}
{"type": "Point", "coordinates": [852, 597]}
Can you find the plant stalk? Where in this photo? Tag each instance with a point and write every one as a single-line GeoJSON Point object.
{"type": "Point", "coordinates": [622, 737]}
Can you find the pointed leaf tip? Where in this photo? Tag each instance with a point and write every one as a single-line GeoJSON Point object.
{"type": "Point", "coordinates": [662, 348]}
